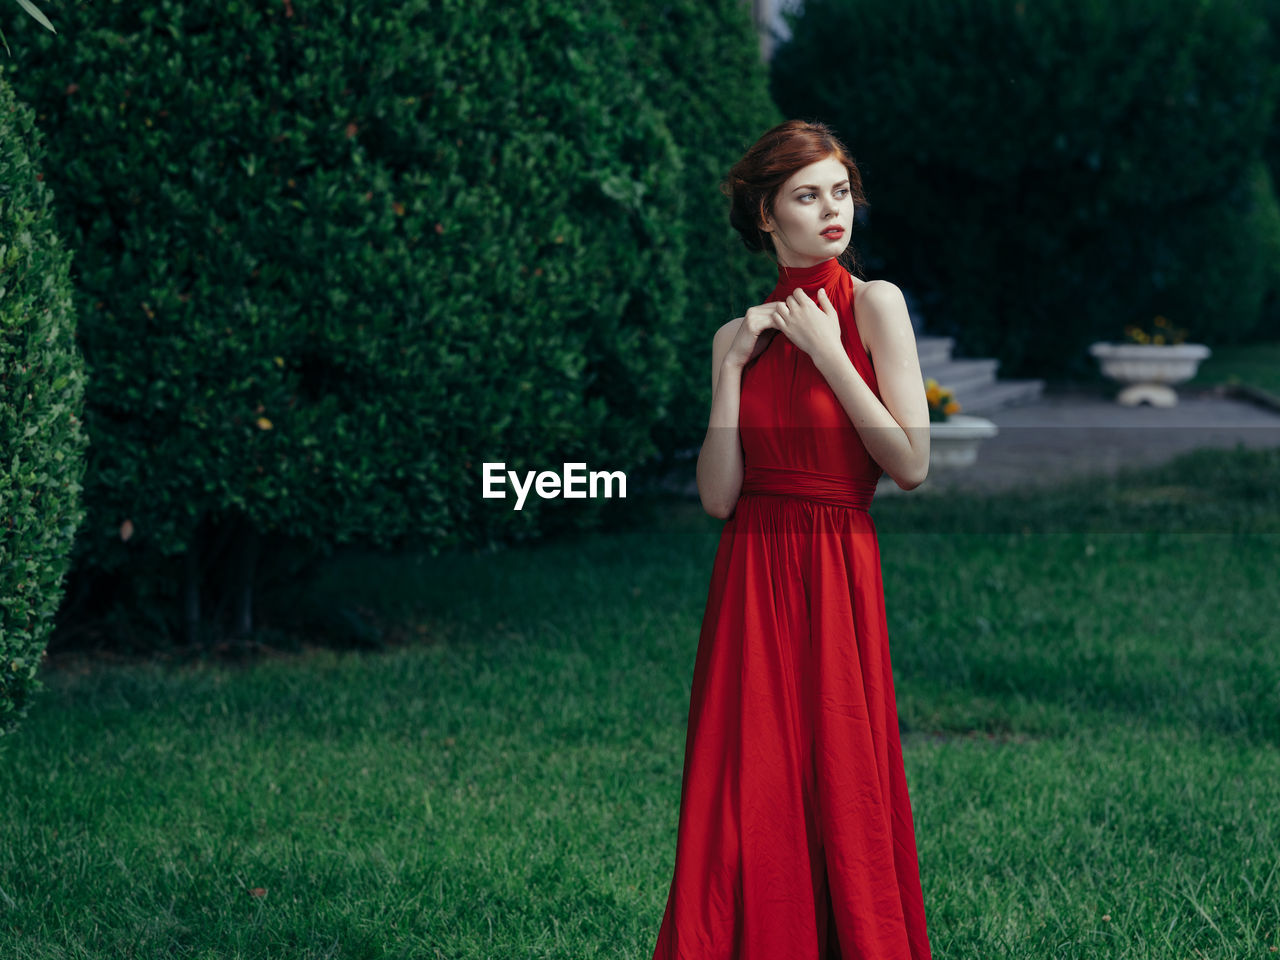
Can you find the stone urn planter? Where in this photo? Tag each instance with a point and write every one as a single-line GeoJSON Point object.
{"type": "Point", "coordinates": [1149, 370]}
{"type": "Point", "coordinates": [954, 442]}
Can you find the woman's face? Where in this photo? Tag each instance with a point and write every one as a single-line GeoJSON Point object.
{"type": "Point", "coordinates": [814, 200]}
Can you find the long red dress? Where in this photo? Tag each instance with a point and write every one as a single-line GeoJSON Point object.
{"type": "Point", "coordinates": [795, 837]}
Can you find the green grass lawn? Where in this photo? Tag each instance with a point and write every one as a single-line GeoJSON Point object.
{"type": "Point", "coordinates": [1088, 682]}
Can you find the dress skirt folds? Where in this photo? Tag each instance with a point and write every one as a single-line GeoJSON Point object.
{"type": "Point", "coordinates": [795, 837]}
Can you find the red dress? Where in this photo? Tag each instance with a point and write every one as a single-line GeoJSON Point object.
{"type": "Point", "coordinates": [795, 837]}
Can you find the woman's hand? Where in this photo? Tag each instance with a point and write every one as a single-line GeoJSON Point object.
{"type": "Point", "coordinates": [813, 326]}
{"type": "Point", "coordinates": [755, 332]}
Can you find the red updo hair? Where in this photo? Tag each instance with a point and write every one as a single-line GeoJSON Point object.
{"type": "Point", "coordinates": [753, 182]}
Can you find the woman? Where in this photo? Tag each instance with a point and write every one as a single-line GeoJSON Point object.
{"type": "Point", "coordinates": [795, 839]}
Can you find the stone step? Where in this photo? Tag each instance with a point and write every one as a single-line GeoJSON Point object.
{"type": "Point", "coordinates": [998, 394]}
{"type": "Point", "coordinates": [972, 380]}
{"type": "Point", "coordinates": [963, 376]}
{"type": "Point", "coordinates": [933, 350]}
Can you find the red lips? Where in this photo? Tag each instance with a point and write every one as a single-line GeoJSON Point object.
{"type": "Point", "coordinates": [833, 232]}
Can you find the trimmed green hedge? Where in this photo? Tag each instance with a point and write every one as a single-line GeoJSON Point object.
{"type": "Point", "coordinates": [701, 62]}
{"type": "Point", "coordinates": [334, 256]}
{"type": "Point", "coordinates": [42, 440]}
{"type": "Point", "coordinates": [1044, 174]}
{"type": "Point", "coordinates": [1270, 323]}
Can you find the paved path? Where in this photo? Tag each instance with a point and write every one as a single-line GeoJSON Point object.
{"type": "Point", "coordinates": [1075, 431]}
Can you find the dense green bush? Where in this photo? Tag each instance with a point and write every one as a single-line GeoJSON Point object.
{"type": "Point", "coordinates": [1045, 173]}
{"type": "Point", "coordinates": [701, 62]}
{"type": "Point", "coordinates": [1271, 307]}
{"type": "Point", "coordinates": [1270, 11]}
{"type": "Point", "coordinates": [331, 257]}
{"type": "Point", "coordinates": [42, 440]}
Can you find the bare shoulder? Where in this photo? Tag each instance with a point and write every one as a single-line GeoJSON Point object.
{"type": "Point", "coordinates": [723, 337]}
{"type": "Point", "coordinates": [728, 330]}
{"type": "Point", "coordinates": [720, 344]}
{"type": "Point", "coordinates": [880, 294]}
{"type": "Point", "coordinates": [881, 310]}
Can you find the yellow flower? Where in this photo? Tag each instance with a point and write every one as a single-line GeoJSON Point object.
{"type": "Point", "coordinates": [264, 423]}
{"type": "Point", "coordinates": [1164, 332]}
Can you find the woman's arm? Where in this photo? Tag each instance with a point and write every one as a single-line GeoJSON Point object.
{"type": "Point", "coordinates": [895, 432]}
{"type": "Point", "coordinates": [720, 465]}
{"type": "Point", "coordinates": [720, 459]}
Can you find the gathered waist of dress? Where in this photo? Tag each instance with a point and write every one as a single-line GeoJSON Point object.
{"type": "Point", "coordinates": [829, 488]}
